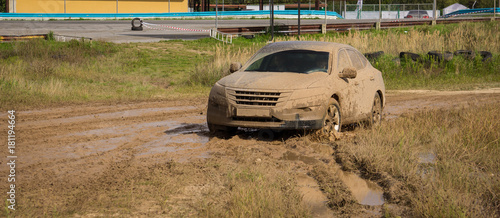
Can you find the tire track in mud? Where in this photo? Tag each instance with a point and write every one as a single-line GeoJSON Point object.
{"type": "Point", "coordinates": [66, 149]}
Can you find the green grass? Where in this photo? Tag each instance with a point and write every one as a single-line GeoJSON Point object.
{"type": "Point", "coordinates": [40, 73]}
{"type": "Point", "coordinates": [457, 74]}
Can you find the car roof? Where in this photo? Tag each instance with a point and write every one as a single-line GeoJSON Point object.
{"type": "Point", "coordinates": [303, 45]}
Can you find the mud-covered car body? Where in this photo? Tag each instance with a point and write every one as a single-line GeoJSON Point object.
{"type": "Point", "coordinates": [288, 85]}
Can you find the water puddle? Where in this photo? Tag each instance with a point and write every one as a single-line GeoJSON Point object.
{"type": "Point", "coordinates": [427, 158]}
{"type": "Point", "coordinates": [295, 157]}
{"type": "Point", "coordinates": [313, 197]}
{"type": "Point", "coordinates": [365, 191]}
{"type": "Point", "coordinates": [426, 162]}
{"type": "Point", "coordinates": [157, 137]}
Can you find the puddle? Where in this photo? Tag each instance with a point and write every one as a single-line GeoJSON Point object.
{"type": "Point", "coordinates": [293, 157]}
{"type": "Point", "coordinates": [178, 137]}
{"type": "Point", "coordinates": [365, 191]}
{"type": "Point", "coordinates": [426, 161]}
{"type": "Point", "coordinates": [186, 128]}
{"type": "Point", "coordinates": [427, 158]}
{"type": "Point", "coordinates": [312, 196]}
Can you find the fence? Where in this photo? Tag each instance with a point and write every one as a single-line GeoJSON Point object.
{"type": "Point", "coordinates": [389, 11]}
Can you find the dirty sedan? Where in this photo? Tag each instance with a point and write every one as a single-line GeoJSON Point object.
{"type": "Point", "coordinates": [298, 85]}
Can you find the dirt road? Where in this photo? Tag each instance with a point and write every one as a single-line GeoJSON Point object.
{"type": "Point", "coordinates": [70, 154]}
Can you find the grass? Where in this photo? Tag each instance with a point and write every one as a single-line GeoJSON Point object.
{"type": "Point", "coordinates": [444, 161]}
{"type": "Point", "coordinates": [203, 188]}
{"type": "Point", "coordinates": [38, 74]}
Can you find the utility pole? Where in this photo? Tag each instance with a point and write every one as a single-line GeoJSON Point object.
{"type": "Point", "coordinates": [272, 19]}
{"type": "Point", "coordinates": [216, 13]}
{"type": "Point", "coordinates": [299, 17]}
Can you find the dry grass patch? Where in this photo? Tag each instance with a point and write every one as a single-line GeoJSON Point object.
{"type": "Point", "coordinates": [439, 163]}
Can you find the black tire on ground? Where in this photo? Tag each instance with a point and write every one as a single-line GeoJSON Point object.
{"type": "Point", "coordinates": [447, 56]}
{"type": "Point", "coordinates": [468, 54]}
{"type": "Point", "coordinates": [134, 27]}
{"type": "Point", "coordinates": [137, 28]}
{"type": "Point", "coordinates": [221, 131]}
{"type": "Point", "coordinates": [487, 56]}
{"type": "Point", "coordinates": [376, 114]}
{"type": "Point", "coordinates": [436, 56]}
{"type": "Point", "coordinates": [409, 55]}
{"type": "Point", "coordinates": [333, 118]}
{"type": "Point", "coordinates": [265, 135]}
{"type": "Point", "coordinates": [374, 55]}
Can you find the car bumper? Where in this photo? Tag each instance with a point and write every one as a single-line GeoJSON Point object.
{"type": "Point", "coordinates": [277, 118]}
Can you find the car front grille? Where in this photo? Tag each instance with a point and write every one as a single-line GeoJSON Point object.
{"type": "Point", "coordinates": [255, 98]}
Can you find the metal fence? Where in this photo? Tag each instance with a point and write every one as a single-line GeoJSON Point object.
{"type": "Point", "coordinates": [389, 11]}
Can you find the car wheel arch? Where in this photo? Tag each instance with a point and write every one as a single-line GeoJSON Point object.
{"type": "Point", "coordinates": [382, 97]}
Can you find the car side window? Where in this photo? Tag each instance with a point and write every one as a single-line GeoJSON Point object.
{"type": "Point", "coordinates": [356, 62]}
{"type": "Point", "coordinates": [343, 61]}
{"type": "Point", "coordinates": [363, 59]}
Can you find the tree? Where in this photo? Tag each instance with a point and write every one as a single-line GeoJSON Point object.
{"type": "Point", "coordinates": [2, 6]}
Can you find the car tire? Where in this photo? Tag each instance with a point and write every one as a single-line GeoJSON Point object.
{"type": "Point", "coordinates": [134, 27]}
{"type": "Point", "coordinates": [376, 113]}
{"type": "Point", "coordinates": [374, 55]}
{"type": "Point", "coordinates": [436, 56]}
{"type": "Point", "coordinates": [409, 55]}
{"type": "Point", "coordinates": [468, 54]}
{"type": "Point", "coordinates": [487, 56]}
{"type": "Point", "coordinates": [333, 119]}
{"type": "Point", "coordinates": [221, 131]}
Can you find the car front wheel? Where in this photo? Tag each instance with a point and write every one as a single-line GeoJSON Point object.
{"type": "Point", "coordinates": [221, 131]}
{"type": "Point", "coordinates": [332, 122]}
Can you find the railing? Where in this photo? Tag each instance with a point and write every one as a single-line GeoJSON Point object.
{"type": "Point", "coordinates": [224, 37]}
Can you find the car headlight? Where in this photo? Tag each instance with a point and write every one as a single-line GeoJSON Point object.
{"type": "Point", "coordinates": [305, 98]}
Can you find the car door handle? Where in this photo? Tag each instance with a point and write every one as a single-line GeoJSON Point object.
{"type": "Point", "coordinates": [356, 83]}
{"type": "Point", "coordinates": [372, 78]}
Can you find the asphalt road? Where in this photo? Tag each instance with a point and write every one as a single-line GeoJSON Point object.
{"type": "Point", "coordinates": [119, 31]}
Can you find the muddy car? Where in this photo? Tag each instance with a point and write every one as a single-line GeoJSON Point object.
{"type": "Point", "coordinates": [298, 85]}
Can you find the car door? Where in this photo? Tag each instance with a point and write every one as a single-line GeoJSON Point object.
{"type": "Point", "coordinates": [367, 87]}
{"type": "Point", "coordinates": [351, 88]}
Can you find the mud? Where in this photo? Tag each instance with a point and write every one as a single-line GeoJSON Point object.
{"type": "Point", "coordinates": [74, 147]}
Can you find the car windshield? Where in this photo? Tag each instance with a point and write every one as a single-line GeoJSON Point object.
{"type": "Point", "coordinates": [297, 61]}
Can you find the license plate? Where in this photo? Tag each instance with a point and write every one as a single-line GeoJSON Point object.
{"type": "Point", "coordinates": [253, 113]}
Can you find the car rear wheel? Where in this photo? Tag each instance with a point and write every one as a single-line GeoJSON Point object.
{"type": "Point", "coordinates": [332, 122]}
{"type": "Point", "coordinates": [376, 114]}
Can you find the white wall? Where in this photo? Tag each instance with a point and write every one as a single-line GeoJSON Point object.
{"type": "Point", "coordinates": [385, 14]}
{"type": "Point", "coordinates": [266, 7]}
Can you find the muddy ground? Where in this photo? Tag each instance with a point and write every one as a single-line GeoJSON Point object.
{"type": "Point", "coordinates": [68, 155]}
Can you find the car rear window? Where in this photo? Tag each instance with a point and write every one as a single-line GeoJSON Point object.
{"type": "Point", "coordinates": [297, 61]}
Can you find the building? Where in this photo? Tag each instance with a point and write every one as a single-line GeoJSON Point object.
{"type": "Point", "coordinates": [453, 8]}
{"type": "Point", "coordinates": [96, 6]}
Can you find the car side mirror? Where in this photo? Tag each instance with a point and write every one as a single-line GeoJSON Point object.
{"type": "Point", "coordinates": [348, 73]}
{"type": "Point", "coordinates": [235, 66]}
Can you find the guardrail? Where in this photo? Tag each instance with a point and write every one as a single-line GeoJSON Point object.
{"type": "Point", "coordinates": [164, 15]}
{"type": "Point", "coordinates": [343, 27]}
{"type": "Point", "coordinates": [224, 37]}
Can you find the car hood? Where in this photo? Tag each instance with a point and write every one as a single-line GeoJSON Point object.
{"type": "Point", "coordinates": [272, 80]}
